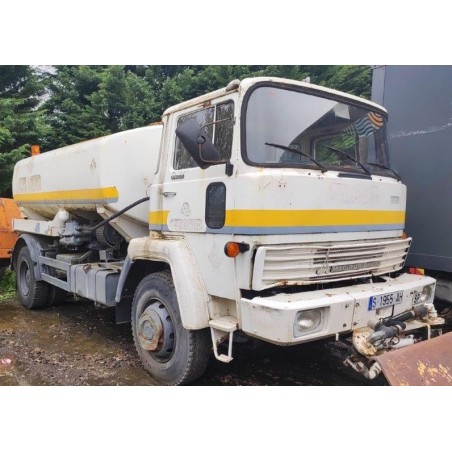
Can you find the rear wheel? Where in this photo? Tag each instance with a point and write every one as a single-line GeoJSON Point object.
{"type": "Point", "coordinates": [56, 296]}
{"type": "Point", "coordinates": [169, 352]}
{"type": "Point", "coordinates": [33, 294]}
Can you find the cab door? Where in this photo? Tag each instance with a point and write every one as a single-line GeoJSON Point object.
{"type": "Point", "coordinates": [195, 201]}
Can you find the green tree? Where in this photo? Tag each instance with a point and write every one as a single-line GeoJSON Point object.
{"type": "Point", "coordinates": [92, 101]}
{"type": "Point", "coordinates": [124, 99]}
{"type": "Point", "coordinates": [69, 111]}
{"type": "Point", "coordinates": [22, 120]}
{"type": "Point", "coordinates": [355, 80]}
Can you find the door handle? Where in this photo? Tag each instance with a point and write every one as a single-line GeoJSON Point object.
{"type": "Point", "coordinates": [169, 193]}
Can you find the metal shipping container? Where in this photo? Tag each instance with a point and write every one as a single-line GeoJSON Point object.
{"type": "Point", "coordinates": [419, 101]}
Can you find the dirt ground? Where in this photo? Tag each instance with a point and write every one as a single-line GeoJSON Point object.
{"type": "Point", "coordinates": [78, 344]}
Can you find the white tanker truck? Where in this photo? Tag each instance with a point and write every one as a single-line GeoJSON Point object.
{"type": "Point", "coordinates": [267, 207]}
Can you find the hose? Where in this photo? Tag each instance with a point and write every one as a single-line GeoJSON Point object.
{"type": "Point", "coordinates": [417, 311]}
{"type": "Point", "coordinates": [385, 332]}
{"type": "Point", "coordinates": [392, 326]}
{"type": "Point", "coordinates": [117, 214]}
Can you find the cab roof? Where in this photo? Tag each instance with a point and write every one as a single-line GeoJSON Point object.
{"type": "Point", "coordinates": [248, 83]}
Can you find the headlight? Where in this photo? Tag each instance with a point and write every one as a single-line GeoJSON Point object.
{"type": "Point", "coordinates": [427, 293]}
{"type": "Point", "coordinates": [308, 321]}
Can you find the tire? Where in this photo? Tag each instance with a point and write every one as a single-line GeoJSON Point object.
{"type": "Point", "coordinates": [180, 356]}
{"type": "Point", "coordinates": [56, 296]}
{"type": "Point", "coordinates": [33, 294]}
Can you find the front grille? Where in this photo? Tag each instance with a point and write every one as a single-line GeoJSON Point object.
{"type": "Point", "coordinates": [326, 262]}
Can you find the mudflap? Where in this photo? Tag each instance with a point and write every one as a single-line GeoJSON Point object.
{"type": "Point", "coordinates": [427, 363]}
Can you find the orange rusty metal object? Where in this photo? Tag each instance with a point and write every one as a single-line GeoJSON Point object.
{"type": "Point", "coordinates": [427, 363]}
{"type": "Point", "coordinates": [8, 211]}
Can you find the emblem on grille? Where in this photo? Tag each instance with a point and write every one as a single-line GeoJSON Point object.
{"type": "Point", "coordinates": [325, 268]}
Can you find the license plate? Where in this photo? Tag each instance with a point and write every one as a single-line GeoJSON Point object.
{"type": "Point", "coordinates": [385, 300]}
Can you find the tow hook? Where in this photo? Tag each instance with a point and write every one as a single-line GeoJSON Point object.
{"type": "Point", "coordinates": [370, 373]}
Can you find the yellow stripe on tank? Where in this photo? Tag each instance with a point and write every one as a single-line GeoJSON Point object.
{"type": "Point", "coordinates": [87, 194]}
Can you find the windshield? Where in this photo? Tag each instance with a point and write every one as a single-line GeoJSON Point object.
{"type": "Point", "coordinates": [289, 128]}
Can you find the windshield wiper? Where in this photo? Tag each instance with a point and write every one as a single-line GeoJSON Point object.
{"type": "Point", "coordinates": [396, 174]}
{"type": "Point", "coordinates": [349, 157]}
{"type": "Point", "coordinates": [296, 151]}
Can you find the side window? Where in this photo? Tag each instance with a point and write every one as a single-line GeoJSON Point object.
{"type": "Point", "coordinates": [219, 122]}
{"type": "Point", "coordinates": [216, 205]}
{"type": "Point", "coordinates": [182, 158]}
{"type": "Point", "coordinates": [224, 129]}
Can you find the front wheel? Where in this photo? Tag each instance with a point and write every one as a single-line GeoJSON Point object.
{"type": "Point", "coordinates": [169, 352]}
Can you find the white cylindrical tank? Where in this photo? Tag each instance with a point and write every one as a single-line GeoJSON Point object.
{"type": "Point", "coordinates": [96, 177]}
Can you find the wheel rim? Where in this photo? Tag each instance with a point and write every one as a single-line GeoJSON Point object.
{"type": "Point", "coordinates": [24, 278]}
{"type": "Point", "coordinates": [156, 331]}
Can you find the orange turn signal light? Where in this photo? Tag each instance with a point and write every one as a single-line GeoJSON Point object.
{"type": "Point", "coordinates": [35, 149]}
{"type": "Point", "coordinates": [233, 249]}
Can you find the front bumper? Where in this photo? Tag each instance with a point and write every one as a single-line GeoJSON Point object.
{"type": "Point", "coordinates": [343, 309]}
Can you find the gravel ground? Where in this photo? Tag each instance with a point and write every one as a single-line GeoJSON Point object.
{"type": "Point", "coordinates": [78, 344]}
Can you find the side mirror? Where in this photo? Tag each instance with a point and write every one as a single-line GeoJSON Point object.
{"type": "Point", "coordinates": [198, 144]}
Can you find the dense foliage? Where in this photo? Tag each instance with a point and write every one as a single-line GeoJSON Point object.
{"type": "Point", "coordinates": [7, 284]}
{"type": "Point", "coordinates": [22, 121]}
{"type": "Point", "coordinates": [57, 106]}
